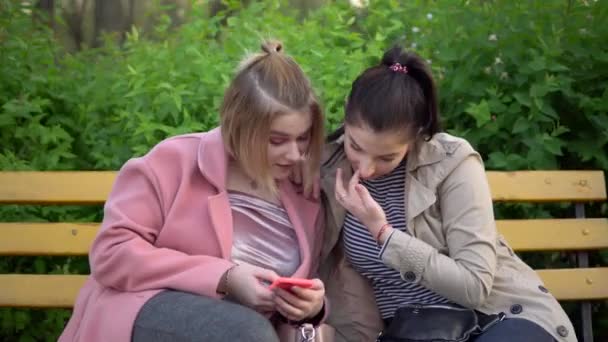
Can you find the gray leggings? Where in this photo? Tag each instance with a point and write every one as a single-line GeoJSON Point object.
{"type": "Point", "coordinates": [183, 317]}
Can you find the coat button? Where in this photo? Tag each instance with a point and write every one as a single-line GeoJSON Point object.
{"type": "Point", "coordinates": [410, 276]}
{"type": "Point", "coordinates": [562, 331]}
{"type": "Point", "coordinates": [543, 289]}
{"type": "Point", "coordinates": [516, 309]}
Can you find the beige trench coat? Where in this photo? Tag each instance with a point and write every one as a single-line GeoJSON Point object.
{"type": "Point", "coordinates": [454, 248]}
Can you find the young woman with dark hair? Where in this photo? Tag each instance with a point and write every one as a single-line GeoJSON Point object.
{"type": "Point", "coordinates": [408, 208]}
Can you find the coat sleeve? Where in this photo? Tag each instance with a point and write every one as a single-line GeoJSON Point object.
{"type": "Point", "coordinates": [466, 275]}
{"type": "Point", "coordinates": [123, 255]}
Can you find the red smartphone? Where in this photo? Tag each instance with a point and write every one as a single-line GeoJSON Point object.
{"type": "Point", "coordinates": [287, 283]}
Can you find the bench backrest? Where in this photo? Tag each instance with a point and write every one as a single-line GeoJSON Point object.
{"type": "Point", "coordinates": [84, 188]}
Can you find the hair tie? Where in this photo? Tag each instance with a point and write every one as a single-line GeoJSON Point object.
{"type": "Point", "coordinates": [398, 68]}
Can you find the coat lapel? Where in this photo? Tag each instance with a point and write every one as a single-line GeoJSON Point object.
{"type": "Point", "coordinates": [213, 164]}
{"type": "Point", "coordinates": [302, 214]}
{"type": "Point", "coordinates": [420, 198]}
{"type": "Point", "coordinates": [335, 212]}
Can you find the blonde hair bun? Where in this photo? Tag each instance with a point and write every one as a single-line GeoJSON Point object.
{"type": "Point", "coordinates": [272, 46]}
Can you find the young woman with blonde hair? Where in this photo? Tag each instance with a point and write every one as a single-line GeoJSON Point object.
{"type": "Point", "coordinates": [196, 229]}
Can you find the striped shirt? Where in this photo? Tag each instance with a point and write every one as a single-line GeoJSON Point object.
{"type": "Point", "coordinates": [364, 254]}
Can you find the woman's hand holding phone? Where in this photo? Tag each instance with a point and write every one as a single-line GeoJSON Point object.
{"type": "Point", "coordinates": [287, 283]}
{"type": "Point", "coordinates": [299, 303]}
{"type": "Point", "coordinates": [245, 284]}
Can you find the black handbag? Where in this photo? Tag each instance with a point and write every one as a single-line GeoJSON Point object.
{"type": "Point", "coordinates": [436, 323]}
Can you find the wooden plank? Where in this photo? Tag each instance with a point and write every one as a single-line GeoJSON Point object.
{"type": "Point", "coordinates": [93, 187]}
{"type": "Point", "coordinates": [55, 187]}
{"type": "Point", "coordinates": [523, 235]}
{"type": "Point", "coordinates": [46, 238]}
{"type": "Point", "coordinates": [577, 283]}
{"type": "Point", "coordinates": [60, 291]}
{"type": "Point", "coordinates": [39, 291]}
{"type": "Point", "coordinates": [547, 186]}
{"type": "Point", "coordinates": [555, 234]}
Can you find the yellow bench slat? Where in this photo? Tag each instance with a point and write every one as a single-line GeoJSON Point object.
{"type": "Point", "coordinates": [555, 234]}
{"type": "Point", "coordinates": [93, 187]}
{"type": "Point", "coordinates": [522, 235]}
{"type": "Point", "coordinates": [577, 283]}
{"type": "Point", "coordinates": [46, 238]}
{"type": "Point", "coordinates": [60, 291]}
{"type": "Point", "coordinates": [547, 186]}
{"type": "Point", "coordinates": [39, 291]}
{"type": "Point", "coordinates": [55, 187]}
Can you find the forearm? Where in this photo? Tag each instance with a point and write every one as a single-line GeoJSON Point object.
{"type": "Point", "coordinates": [136, 265]}
{"type": "Point", "coordinates": [465, 282]}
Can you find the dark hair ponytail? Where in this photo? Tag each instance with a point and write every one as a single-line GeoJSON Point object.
{"type": "Point", "coordinates": [397, 94]}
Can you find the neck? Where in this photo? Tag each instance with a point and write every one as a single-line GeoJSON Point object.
{"type": "Point", "coordinates": [238, 180]}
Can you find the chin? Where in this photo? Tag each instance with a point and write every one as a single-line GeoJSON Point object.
{"type": "Point", "coordinates": [279, 178]}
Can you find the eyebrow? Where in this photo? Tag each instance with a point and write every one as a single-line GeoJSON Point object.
{"type": "Point", "coordinates": [352, 140]}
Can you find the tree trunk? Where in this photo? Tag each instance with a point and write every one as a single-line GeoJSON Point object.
{"type": "Point", "coordinates": [47, 7]}
{"type": "Point", "coordinates": [74, 16]}
{"type": "Point", "coordinates": [110, 17]}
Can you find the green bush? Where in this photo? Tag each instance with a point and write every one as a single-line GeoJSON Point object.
{"type": "Point", "coordinates": [525, 82]}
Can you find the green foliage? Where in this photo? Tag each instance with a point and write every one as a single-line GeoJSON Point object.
{"type": "Point", "coordinates": [525, 81]}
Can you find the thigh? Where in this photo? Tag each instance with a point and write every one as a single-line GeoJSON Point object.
{"type": "Point", "coordinates": [515, 329]}
{"type": "Point", "coordinates": [184, 317]}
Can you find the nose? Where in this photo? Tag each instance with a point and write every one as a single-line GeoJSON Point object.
{"type": "Point", "coordinates": [366, 168]}
{"type": "Point", "coordinates": [294, 154]}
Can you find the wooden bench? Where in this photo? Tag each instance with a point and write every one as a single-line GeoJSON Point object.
{"type": "Point", "coordinates": [577, 235]}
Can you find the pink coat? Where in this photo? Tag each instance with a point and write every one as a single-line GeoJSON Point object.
{"type": "Point", "coordinates": [168, 225]}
